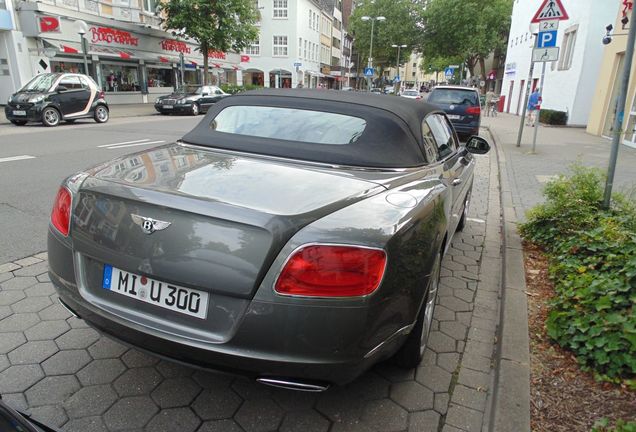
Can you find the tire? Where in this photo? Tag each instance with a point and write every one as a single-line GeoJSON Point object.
{"type": "Point", "coordinates": [51, 117]}
{"type": "Point", "coordinates": [18, 122]}
{"type": "Point", "coordinates": [195, 109]}
{"type": "Point", "coordinates": [411, 353]}
{"type": "Point", "coordinates": [101, 114]}
{"type": "Point", "coordinates": [462, 221]}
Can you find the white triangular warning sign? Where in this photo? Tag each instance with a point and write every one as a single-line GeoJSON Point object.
{"type": "Point", "coordinates": [550, 10]}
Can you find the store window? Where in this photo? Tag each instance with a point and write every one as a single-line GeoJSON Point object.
{"type": "Point", "coordinates": [63, 66]}
{"type": "Point", "coordinates": [119, 78]}
{"type": "Point", "coordinates": [280, 8]}
{"type": "Point", "coordinates": [280, 46]}
{"type": "Point", "coordinates": [160, 77]}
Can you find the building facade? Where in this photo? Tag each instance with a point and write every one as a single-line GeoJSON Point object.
{"type": "Point", "coordinates": [130, 57]}
{"type": "Point", "coordinates": [570, 81]}
{"type": "Point", "coordinates": [603, 112]}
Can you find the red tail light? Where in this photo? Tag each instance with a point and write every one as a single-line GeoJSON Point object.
{"type": "Point", "coordinates": [475, 110]}
{"type": "Point", "coordinates": [418, 97]}
{"type": "Point", "coordinates": [61, 214]}
{"type": "Point", "coordinates": [100, 95]}
{"type": "Point", "coordinates": [332, 271]}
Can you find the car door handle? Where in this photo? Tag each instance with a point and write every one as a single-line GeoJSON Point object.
{"type": "Point", "coordinates": [457, 182]}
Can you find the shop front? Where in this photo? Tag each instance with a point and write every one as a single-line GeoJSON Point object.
{"type": "Point", "coordinates": [131, 66]}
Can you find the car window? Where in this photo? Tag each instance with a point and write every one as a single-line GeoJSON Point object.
{"type": "Point", "coordinates": [71, 82]}
{"type": "Point", "coordinates": [84, 83]}
{"type": "Point", "coordinates": [218, 91]}
{"type": "Point", "coordinates": [430, 145]}
{"type": "Point", "coordinates": [289, 124]}
{"type": "Point", "coordinates": [443, 134]}
{"type": "Point", "coordinates": [454, 96]}
{"type": "Point", "coordinates": [40, 83]}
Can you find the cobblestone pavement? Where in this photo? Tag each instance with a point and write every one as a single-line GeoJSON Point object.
{"type": "Point", "coordinates": [66, 374]}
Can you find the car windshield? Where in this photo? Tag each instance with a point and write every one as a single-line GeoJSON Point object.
{"type": "Point", "coordinates": [454, 96]}
{"type": "Point", "coordinates": [289, 124]}
{"type": "Point", "coordinates": [192, 90]}
{"type": "Point", "coordinates": [410, 93]}
{"type": "Point", "coordinates": [40, 83]}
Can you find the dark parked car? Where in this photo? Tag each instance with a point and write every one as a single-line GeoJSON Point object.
{"type": "Point", "coordinates": [52, 97]}
{"type": "Point", "coordinates": [462, 106]}
{"type": "Point", "coordinates": [193, 99]}
{"type": "Point", "coordinates": [14, 421]}
{"type": "Point", "coordinates": [296, 236]}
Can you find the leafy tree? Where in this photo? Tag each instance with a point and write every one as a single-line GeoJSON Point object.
{"type": "Point", "coordinates": [221, 25]}
{"type": "Point", "coordinates": [399, 28]}
{"type": "Point", "coordinates": [468, 29]}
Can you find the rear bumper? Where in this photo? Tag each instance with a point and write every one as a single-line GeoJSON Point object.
{"type": "Point", "coordinates": [272, 340]}
{"type": "Point", "coordinates": [466, 129]}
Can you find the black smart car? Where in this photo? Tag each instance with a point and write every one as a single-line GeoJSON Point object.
{"type": "Point", "coordinates": [192, 99]}
{"type": "Point", "coordinates": [52, 97]}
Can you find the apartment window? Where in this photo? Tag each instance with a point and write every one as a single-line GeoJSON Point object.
{"type": "Point", "coordinates": [254, 48]}
{"type": "Point", "coordinates": [311, 24]}
{"type": "Point", "coordinates": [280, 46]}
{"type": "Point", "coordinates": [150, 6]}
{"type": "Point", "coordinates": [567, 48]}
{"type": "Point", "coordinates": [280, 8]}
{"type": "Point", "coordinates": [300, 47]}
{"type": "Point", "coordinates": [305, 56]}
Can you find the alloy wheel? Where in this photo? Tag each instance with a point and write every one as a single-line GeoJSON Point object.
{"type": "Point", "coordinates": [51, 117]}
{"type": "Point", "coordinates": [101, 114]}
{"type": "Point", "coordinates": [195, 109]}
{"type": "Point", "coordinates": [429, 307]}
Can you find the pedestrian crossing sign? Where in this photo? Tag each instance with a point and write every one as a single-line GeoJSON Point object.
{"type": "Point", "coordinates": [550, 10]}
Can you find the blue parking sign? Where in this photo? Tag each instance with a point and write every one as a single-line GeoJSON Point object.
{"type": "Point", "coordinates": [547, 39]}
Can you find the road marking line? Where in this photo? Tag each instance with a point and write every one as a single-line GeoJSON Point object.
{"type": "Point", "coordinates": [133, 145]}
{"type": "Point", "coordinates": [16, 158]}
{"type": "Point", "coordinates": [126, 142]}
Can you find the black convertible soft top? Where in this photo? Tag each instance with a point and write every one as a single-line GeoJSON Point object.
{"type": "Point", "coordinates": [392, 137]}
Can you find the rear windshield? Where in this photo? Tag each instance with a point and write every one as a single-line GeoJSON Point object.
{"type": "Point", "coordinates": [453, 96]}
{"type": "Point", "coordinates": [289, 124]}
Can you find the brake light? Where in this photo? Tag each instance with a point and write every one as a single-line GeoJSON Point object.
{"type": "Point", "coordinates": [61, 214]}
{"type": "Point", "coordinates": [100, 95]}
{"type": "Point", "coordinates": [474, 110]}
{"type": "Point", "coordinates": [418, 97]}
{"type": "Point", "coordinates": [332, 271]}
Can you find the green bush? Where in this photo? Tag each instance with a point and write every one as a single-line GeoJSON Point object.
{"type": "Point", "coordinates": [233, 88]}
{"type": "Point", "coordinates": [552, 117]}
{"type": "Point", "coordinates": [592, 256]}
{"type": "Point", "coordinates": [621, 426]}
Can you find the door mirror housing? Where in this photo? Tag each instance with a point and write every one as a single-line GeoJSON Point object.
{"type": "Point", "coordinates": [477, 145]}
{"type": "Point", "coordinates": [205, 94]}
{"type": "Point", "coordinates": [61, 89]}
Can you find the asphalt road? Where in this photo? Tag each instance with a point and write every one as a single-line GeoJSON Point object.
{"type": "Point", "coordinates": [35, 159]}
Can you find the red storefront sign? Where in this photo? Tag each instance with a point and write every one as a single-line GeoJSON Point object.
{"type": "Point", "coordinates": [627, 6]}
{"type": "Point", "coordinates": [109, 36]}
{"type": "Point", "coordinates": [49, 24]}
{"type": "Point", "coordinates": [216, 54]}
{"type": "Point", "coordinates": [176, 46]}
{"type": "Point", "coordinates": [245, 58]}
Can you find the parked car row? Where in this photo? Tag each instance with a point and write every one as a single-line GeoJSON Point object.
{"type": "Point", "coordinates": [192, 99]}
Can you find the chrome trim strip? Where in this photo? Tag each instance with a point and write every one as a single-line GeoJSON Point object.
{"type": "Point", "coordinates": [68, 308]}
{"type": "Point", "coordinates": [404, 330]}
{"type": "Point", "coordinates": [293, 385]}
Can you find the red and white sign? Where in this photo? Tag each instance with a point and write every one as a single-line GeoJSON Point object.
{"type": "Point", "coordinates": [627, 6]}
{"type": "Point", "coordinates": [175, 46]}
{"type": "Point", "coordinates": [245, 59]}
{"type": "Point", "coordinates": [220, 55]}
{"type": "Point", "coordinates": [49, 24]}
{"type": "Point", "coordinates": [550, 10]}
{"type": "Point", "coordinates": [112, 36]}
{"type": "Point", "coordinates": [69, 50]}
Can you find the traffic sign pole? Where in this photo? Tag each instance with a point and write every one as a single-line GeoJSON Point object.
{"type": "Point", "coordinates": [525, 105]}
{"type": "Point", "coordinates": [537, 119]}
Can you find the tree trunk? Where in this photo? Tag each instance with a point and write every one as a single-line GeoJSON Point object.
{"type": "Point", "coordinates": [482, 66]}
{"type": "Point", "coordinates": [204, 51]}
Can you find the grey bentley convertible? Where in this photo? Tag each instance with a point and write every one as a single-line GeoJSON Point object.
{"type": "Point", "coordinates": [293, 235]}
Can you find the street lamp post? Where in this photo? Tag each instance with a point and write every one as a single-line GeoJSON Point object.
{"type": "Point", "coordinates": [398, 57]}
{"type": "Point", "coordinates": [370, 62]}
{"type": "Point", "coordinates": [82, 28]}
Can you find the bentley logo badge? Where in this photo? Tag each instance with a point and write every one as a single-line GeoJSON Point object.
{"type": "Point", "coordinates": [149, 225]}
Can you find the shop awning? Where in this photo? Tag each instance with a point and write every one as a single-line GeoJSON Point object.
{"type": "Point", "coordinates": [114, 52]}
{"type": "Point", "coordinates": [63, 46]}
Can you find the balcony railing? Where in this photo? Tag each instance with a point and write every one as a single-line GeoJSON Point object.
{"type": "Point", "coordinates": [122, 10]}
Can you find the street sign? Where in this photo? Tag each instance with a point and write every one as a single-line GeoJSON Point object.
{"type": "Point", "coordinates": [547, 39]}
{"type": "Point", "coordinates": [449, 72]}
{"type": "Point", "coordinates": [397, 78]}
{"type": "Point", "coordinates": [545, 54]}
{"type": "Point", "coordinates": [548, 25]}
{"type": "Point", "coordinates": [550, 10]}
{"type": "Point", "coordinates": [368, 71]}
{"type": "Point", "coordinates": [453, 66]}
{"type": "Point", "coordinates": [298, 64]}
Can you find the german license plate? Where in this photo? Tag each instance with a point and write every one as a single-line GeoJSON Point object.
{"type": "Point", "coordinates": [19, 112]}
{"type": "Point", "coordinates": [168, 106]}
{"type": "Point", "coordinates": [187, 301]}
{"type": "Point", "coordinates": [454, 117]}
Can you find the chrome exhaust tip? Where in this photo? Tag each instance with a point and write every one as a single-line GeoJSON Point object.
{"type": "Point", "coordinates": [65, 306]}
{"type": "Point", "coordinates": [293, 384]}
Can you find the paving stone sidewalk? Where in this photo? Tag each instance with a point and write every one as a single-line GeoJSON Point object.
{"type": "Point", "coordinates": [66, 374]}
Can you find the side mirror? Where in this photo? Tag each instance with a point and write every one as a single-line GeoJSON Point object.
{"type": "Point", "coordinates": [477, 145]}
{"type": "Point", "coordinates": [205, 94]}
{"type": "Point", "coordinates": [61, 89]}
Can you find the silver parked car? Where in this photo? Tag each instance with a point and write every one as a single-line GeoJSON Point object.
{"type": "Point", "coordinates": [292, 235]}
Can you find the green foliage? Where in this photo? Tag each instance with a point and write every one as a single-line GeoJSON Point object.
{"type": "Point", "coordinates": [400, 27]}
{"type": "Point", "coordinates": [592, 255]}
{"type": "Point", "coordinates": [233, 88]}
{"type": "Point", "coordinates": [553, 117]}
{"type": "Point", "coordinates": [468, 29]}
{"type": "Point", "coordinates": [220, 25]}
{"type": "Point", "coordinates": [621, 426]}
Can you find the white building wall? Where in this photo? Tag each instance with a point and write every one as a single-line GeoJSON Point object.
{"type": "Point", "coordinates": [14, 48]}
{"type": "Point", "coordinates": [568, 90]}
